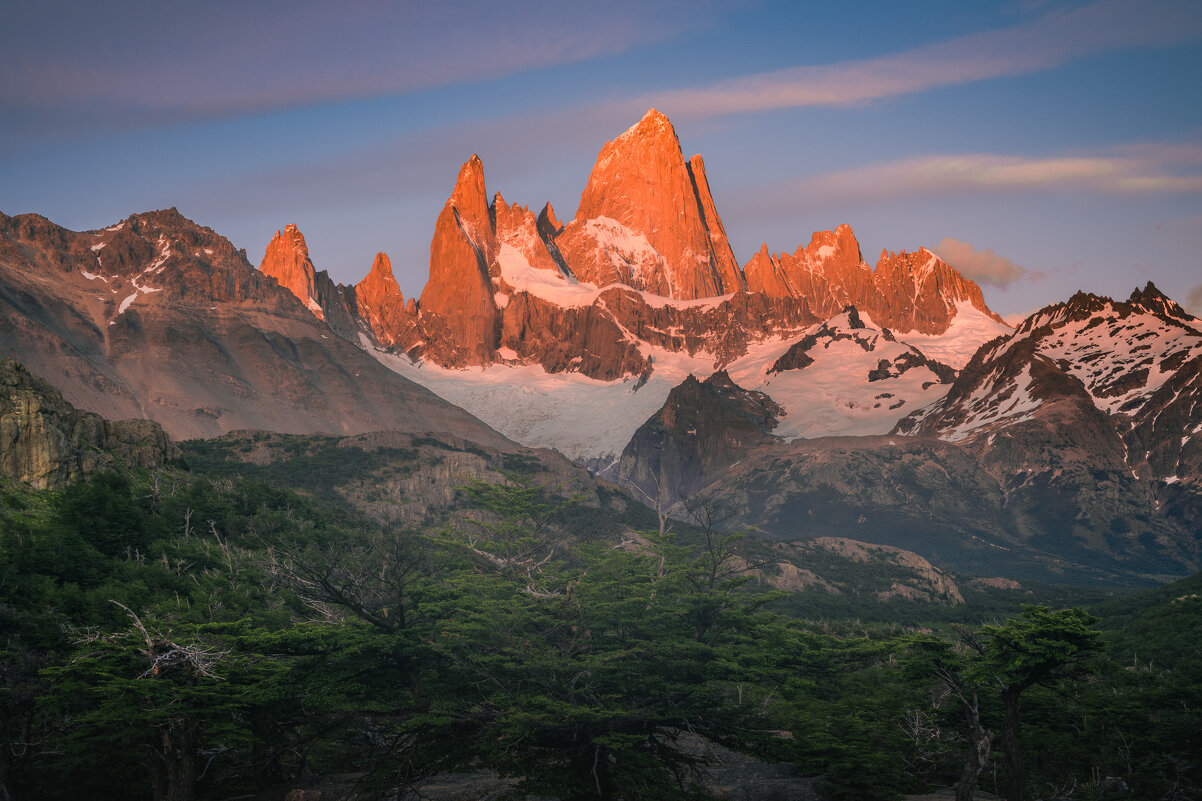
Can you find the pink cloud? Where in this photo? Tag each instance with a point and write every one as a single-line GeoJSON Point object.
{"type": "Point", "coordinates": [982, 266]}
{"type": "Point", "coordinates": [1193, 303]}
{"type": "Point", "coordinates": [1126, 170]}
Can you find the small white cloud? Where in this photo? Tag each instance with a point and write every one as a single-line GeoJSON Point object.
{"type": "Point", "coordinates": [982, 266]}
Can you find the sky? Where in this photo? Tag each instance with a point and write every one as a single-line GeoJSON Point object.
{"type": "Point", "coordinates": [1041, 147]}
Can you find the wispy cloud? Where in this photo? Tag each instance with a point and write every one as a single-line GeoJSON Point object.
{"type": "Point", "coordinates": [1127, 170]}
{"type": "Point", "coordinates": [150, 61]}
{"type": "Point", "coordinates": [1056, 38]}
{"type": "Point", "coordinates": [982, 266]}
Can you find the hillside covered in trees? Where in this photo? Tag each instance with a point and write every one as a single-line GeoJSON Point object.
{"type": "Point", "coordinates": [231, 631]}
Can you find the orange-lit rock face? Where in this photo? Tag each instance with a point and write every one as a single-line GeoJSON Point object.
{"type": "Point", "coordinates": [518, 228]}
{"type": "Point", "coordinates": [457, 310]}
{"type": "Point", "coordinates": [829, 272]}
{"type": "Point", "coordinates": [646, 219]}
{"type": "Point", "coordinates": [381, 304]}
{"type": "Point", "coordinates": [287, 261]}
{"type": "Point", "coordinates": [906, 292]}
{"type": "Point", "coordinates": [919, 291]}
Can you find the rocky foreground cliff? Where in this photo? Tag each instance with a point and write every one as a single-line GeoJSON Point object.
{"type": "Point", "coordinates": [48, 443]}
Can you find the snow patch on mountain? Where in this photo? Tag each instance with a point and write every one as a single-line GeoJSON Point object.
{"type": "Point", "coordinates": [1120, 359]}
{"type": "Point", "coordinates": [993, 403]}
{"type": "Point", "coordinates": [835, 395]}
{"type": "Point", "coordinates": [568, 292]}
{"type": "Point", "coordinates": [861, 381]}
{"type": "Point", "coordinates": [969, 329]}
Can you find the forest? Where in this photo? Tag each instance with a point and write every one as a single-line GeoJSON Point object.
{"type": "Point", "coordinates": [217, 632]}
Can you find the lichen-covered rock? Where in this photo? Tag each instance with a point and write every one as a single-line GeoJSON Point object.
{"type": "Point", "coordinates": [48, 443]}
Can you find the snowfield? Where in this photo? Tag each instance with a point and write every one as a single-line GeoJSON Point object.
{"type": "Point", "coordinates": [591, 421]}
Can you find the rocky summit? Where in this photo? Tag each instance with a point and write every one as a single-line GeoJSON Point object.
{"type": "Point", "coordinates": [646, 219]}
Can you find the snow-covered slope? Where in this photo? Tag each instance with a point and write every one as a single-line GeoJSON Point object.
{"type": "Point", "coordinates": [1131, 359]}
{"type": "Point", "coordinates": [859, 379]}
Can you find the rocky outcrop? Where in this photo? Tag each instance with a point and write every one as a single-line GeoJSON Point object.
{"type": "Point", "coordinates": [702, 428]}
{"type": "Point", "coordinates": [47, 443]}
{"type": "Point", "coordinates": [855, 568]}
{"type": "Point", "coordinates": [286, 259]}
{"type": "Point", "coordinates": [517, 228]}
{"type": "Point", "coordinates": [919, 292]}
{"type": "Point", "coordinates": [906, 292]}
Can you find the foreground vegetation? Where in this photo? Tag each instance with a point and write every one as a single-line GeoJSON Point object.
{"type": "Point", "coordinates": [179, 636]}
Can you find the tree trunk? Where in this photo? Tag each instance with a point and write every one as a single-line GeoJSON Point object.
{"type": "Point", "coordinates": [1015, 770]}
{"type": "Point", "coordinates": [980, 741]}
{"type": "Point", "coordinates": [173, 763]}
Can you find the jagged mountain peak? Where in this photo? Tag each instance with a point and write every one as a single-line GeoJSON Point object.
{"type": "Point", "coordinates": [381, 305]}
{"type": "Point", "coordinates": [646, 219]}
{"type": "Point", "coordinates": [286, 259]}
{"type": "Point", "coordinates": [469, 200]}
{"type": "Point", "coordinates": [1152, 299]}
{"type": "Point", "coordinates": [654, 126]}
{"type": "Point", "coordinates": [380, 277]}
{"type": "Point", "coordinates": [293, 236]}
{"type": "Point", "coordinates": [1083, 306]}
{"type": "Point", "coordinates": [1133, 368]}
{"type": "Point", "coordinates": [548, 222]}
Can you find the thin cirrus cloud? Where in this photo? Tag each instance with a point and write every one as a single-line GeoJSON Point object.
{"type": "Point", "coordinates": [982, 266]}
{"type": "Point", "coordinates": [1134, 169]}
{"type": "Point", "coordinates": [1056, 38]}
{"type": "Point", "coordinates": [164, 61]}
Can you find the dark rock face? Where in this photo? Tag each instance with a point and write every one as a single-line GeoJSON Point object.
{"type": "Point", "coordinates": [48, 443]}
{"type": "Point", "coordinates": [1088, 417]}
{"type": "Point", "coordinates": [704, 427]}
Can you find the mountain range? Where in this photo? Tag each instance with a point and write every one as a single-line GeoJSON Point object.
{"type": "Point", "coordinates": [807, 393]}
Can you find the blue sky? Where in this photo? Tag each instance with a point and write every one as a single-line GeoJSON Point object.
{"type": "Point", "coordinates": [1042, 147]}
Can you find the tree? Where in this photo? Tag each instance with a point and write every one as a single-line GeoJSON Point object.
{"type": "Point", "coordinates": [168, 701]}
{"type": "Point", "coordinates": [593, 670]}
{"type": "Point", "coordinates": [1042, 647]}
